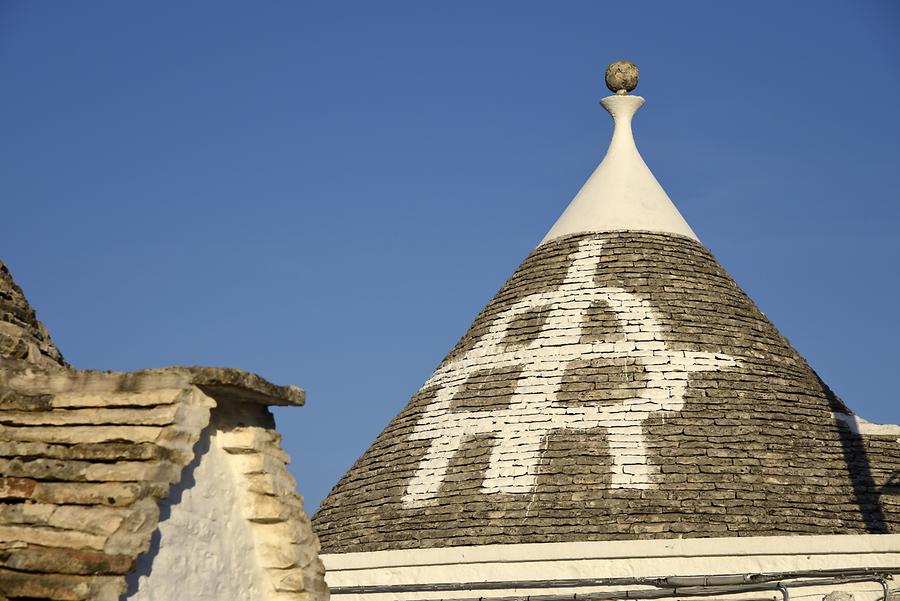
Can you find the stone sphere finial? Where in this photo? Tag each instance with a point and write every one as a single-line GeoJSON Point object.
{"type": "Point", "coordinates": [621, 77]}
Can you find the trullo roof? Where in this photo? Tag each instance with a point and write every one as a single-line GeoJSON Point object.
{"type": "Point", "coordinates": [620, 385]}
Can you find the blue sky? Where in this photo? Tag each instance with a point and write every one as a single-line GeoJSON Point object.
{"type": "Point", "coordinates": [327, 193]}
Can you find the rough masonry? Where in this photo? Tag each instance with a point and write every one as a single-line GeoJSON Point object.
{"type": "Point", "coordinates": [88, 459]}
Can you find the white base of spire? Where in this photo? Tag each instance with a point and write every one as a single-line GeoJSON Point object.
{"type": "Point", "coordinates": [622, 193]}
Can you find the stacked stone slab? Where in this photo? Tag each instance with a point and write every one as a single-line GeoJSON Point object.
{"type": "Point", "coordinates": [88, 459]}
{"type": "Point", "coordinates": [757, 446]}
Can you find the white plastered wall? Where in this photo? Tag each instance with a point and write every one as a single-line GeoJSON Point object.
{"type": "Point", "coordinates": [204, 548]}
{"type": "Point", "coordinates": [614, 559]}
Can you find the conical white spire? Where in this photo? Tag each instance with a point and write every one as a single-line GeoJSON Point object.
{"type": "Point", "coordinates": [622, 193]}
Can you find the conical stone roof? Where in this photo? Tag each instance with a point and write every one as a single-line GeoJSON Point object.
{"type": "Point", "coordinates": [620, 385]}
{"type": "Point", "coordinates": [22, 336]}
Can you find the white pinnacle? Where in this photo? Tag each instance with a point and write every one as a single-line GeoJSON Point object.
{"type": "Point", "coordinates": [622, 193]}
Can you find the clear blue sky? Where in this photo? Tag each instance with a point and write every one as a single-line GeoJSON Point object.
{"type": "Point", "coordinates": [327, 193]}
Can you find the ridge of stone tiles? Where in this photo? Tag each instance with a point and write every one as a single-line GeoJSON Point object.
{"type": "Point", "coordinates": [287, 547]}
{"type": "Point", "coordinates": [22, 336]}
{"type": "Point", "coordinates": [755, 449]}
{"type": "Point", "coordinates": [85, 458]}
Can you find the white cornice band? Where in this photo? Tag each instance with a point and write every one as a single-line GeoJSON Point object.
{"type": "Point", "coordinates": [612, 559]}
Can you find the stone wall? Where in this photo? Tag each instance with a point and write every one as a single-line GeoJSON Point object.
{"type": "Point", "coordinates": [86, 458]}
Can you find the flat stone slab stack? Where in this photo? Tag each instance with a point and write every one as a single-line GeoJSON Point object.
{"type": "Point", "coordinates": [86, 457]}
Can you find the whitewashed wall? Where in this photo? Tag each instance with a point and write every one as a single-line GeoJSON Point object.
{"type": "Point", "coordinates": [234, 528]}
{"type": "Point", "coordinates": [204, 548]}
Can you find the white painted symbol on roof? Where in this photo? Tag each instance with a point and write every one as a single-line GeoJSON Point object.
{"type": "Point", "coordinates": [520, 429]}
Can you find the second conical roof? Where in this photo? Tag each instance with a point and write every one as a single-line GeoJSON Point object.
{"type": "Point", "coordinates": [22, 336]}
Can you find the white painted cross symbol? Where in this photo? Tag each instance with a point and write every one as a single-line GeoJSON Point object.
{"type": "Point", "coordinates": [520, 429]}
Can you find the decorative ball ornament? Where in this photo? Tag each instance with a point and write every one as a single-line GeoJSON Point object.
{"type": "Point", "coordinates": [621, 77]}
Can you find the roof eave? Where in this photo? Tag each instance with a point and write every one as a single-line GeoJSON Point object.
{"type": "Point", "coordinates": [222, 383]}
